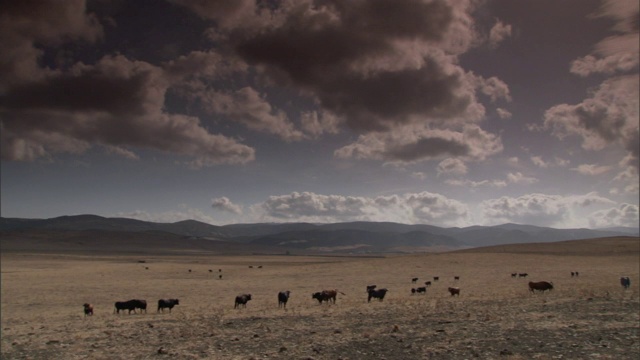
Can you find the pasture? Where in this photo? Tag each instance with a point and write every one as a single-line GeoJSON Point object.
{"type": "Point", "coordinates": [495, 316]}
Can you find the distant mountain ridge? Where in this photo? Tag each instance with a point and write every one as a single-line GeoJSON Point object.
{"type": "Point", "coordinates": [347, 237]}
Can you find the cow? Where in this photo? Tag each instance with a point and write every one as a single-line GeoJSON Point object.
{"type": "Point", "coordinates": [625, 282]}
{"type": "Point", "coordinates": [242, 300]}
{"type": "Point", "coordinates": [456, 278]}
{"type": "Point", "coordinates": [573, 274]}
{"type": "Point", "coordinates": [327, 295]}
{"type": "Point", "coordinates": [540, 286]}
{"type": "Point", "coordinates": [283, 297]}
{"type": "Point", "coordinates": [141, 304]}
{"type": "Point", "coordinates": [454, 291]}
{"type": "Point", "coordinates": [514, 275]}
{"type": "Point", "coordinates": [422, 289]}
{"type": "Point", "coordinates": [413, 281]}
{"type": "Point", "coordinates": [210, 270]}
{"type": "Point", "coordinates": [436, 278]}
{"type": "Point", "coordinates": [88, 309]}
{"type": "Point", "coordinates": [577, 273]}
{"type": "Point", "coordinates": [413, 291]}
{"type": "Point", "coordinates": [189, 270]}
{"type": "Point", "coordinates": [370, 287]}
{"type": "Point", "coordinates": [522, 275]}
{"type": "Point", "coordinates": [167, 303]}
{"type": "Point", "coordinates": [427, 283]}
{"type": "Point", "coordinates": [125, 305]}
{"type": "Point", "coordinates": [377, 294]}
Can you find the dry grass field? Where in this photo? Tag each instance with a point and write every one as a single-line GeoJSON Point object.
{"type": "Point", "coordinates": [495, 317]}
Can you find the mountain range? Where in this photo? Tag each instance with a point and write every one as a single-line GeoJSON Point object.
{"type": "Point", "coordinates": [348, 237]}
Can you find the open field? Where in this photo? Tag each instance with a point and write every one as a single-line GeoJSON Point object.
{"type": "Point", "coordinates": [589, 316]}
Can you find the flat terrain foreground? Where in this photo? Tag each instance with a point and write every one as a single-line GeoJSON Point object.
{"type": "Point", "coordinates": [495, 317]}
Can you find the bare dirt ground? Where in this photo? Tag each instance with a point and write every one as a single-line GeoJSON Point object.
{"type": "Point", "coordinates": [589, 316]}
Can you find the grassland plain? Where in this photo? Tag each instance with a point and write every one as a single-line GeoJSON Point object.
{"type": "Point", "coordinates": [495, 317]}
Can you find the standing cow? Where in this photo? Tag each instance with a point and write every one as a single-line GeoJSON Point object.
{"type": "Point", "coordinates": [241, 300]}
{"type": "Point", "coordinates": [454, 291]}
{"type": "Point", "coordinates": [377, 294]}
{"type": "Point", "coordinates": [167, 303]}
{"type": "Point", "coordinates": [88, 309]}
{"type": "Point", "coordinates": [283, 297]}
{"type": "Point", "coordinates": [625, 282]}
{"type": "Point", "coordinates": [540, 286]}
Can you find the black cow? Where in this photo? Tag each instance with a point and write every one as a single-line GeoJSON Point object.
{"type": "Point", "coordinates": [377, 294]}
{"type": "Point", "coordinates": [283, 297]}
{"type": "Point", "coordinates": [141, 304]}
{"type": "Point", "coordinates": [413, 291]}
{"type": "Point", "coordinates": [514, 275]}
{"type": "Point", "coordinates": [422, 289]}
{"type": "Point", "coordinates": [125, 305]}
{"type": "Point", "coordinates": [242, 300]}
{"type": "Point", "coordinates": [540, 286]}
{"type": "Point", "coordinates": [522, 275]}
{"type": "Point", "coordinates": [320, 297]}
{"type": "Point", "coordinates": [413, 281]}
{"type": "Point", "coordinates": [456, 278]}
{"type": "Point", "coordinates": [436, 278]}
{"type": "Point", "coordinates": [625, 282]}
{"type": "Point", "coordinates": [88, 309]}
{"type": "Point", "coordinates": [573, 274]}
{"type": "Point", "coordinates": [427, 283]}
{"type": "Point", "coordinates": [454, 291]}
{"type": "Point", "coordinates": [370, 287]}
{"type": "Point", "coordinates": [167, 303]}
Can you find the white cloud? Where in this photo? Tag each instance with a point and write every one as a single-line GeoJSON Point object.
{"type": "Point", "coordinates": [622, 215]}
{"type": "Point", "coordinates": [498, 33]}
{"type": "Point", "coordinates": [503, 113]}
{"type": "Point", "coordinates": [224, 204]}
{"type": "Point", "coordinates": [408, 208]}
{"type": "Point", "coordinates": [519, 178]}
{"type": "Point", "coordinates": [476, 184]}
{"type": "Point", "coordinates": [452, 166]}
{"type": "Point", "coordinates": [538, 209]}
{"type": "Point", "coordinates": [592, 169]}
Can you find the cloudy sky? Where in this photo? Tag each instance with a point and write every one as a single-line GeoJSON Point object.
{"type": "Point", "coordinates": [447, 113]}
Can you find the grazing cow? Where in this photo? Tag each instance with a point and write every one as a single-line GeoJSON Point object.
{"type": "Point", "coordinates": [88, 309]}
{"type": "Point", "coordinates": [283, 297]}
{"type": "Point", "coordinates": [422, 289]}
{"type": "Point", "coordinates": [625, 282]}
{"type": "Point", "coordinates": [250, 266]}
{"type": "Point", "coordinates": [514, 275]}
{"type": "Point", "coordinates": [125, 305]}
{"type": "Point", "coordinates": [427, 283]}
{"type": "Point", "coordinates": [327, 295]}
{"type": "Point", "coordinates": [540, 286]}
{"type": "Point", "coordinates": [523, 275]}
{"type": "Point", "coordinates": [370, 287]}
{"type": "Point", "coordinates": [242, 300]}
{"type": "Point", "coordinates": [413, 291]}
{"type": "Point", "coordinates": [167, 303]}
{"type": "Point", "coordinates": [454, 291]}
{"type": "Point", "coordinates": [377, 294]}
{"type": "Point", "coordinates": [260, 267]}
{"type": "Point", "coordinates": [456, 278]}
{"type": "Point", "coordinates": [436, 278]}
{"type": "Point", "coordinates": [413, 281]}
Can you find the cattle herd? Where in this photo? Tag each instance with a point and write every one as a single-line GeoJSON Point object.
{"type": "Point", "coordinates": [328, 296]}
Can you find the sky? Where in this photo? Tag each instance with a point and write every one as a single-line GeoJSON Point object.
{"type": "Point", "coordinates": [449, 113]}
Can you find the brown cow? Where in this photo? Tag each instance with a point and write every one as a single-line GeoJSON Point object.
{"type": "Point", "coordinates": [454, 291]}
{"type": "Point", "coordinates": [327, 295]}
{"type": "Point", "coordinates": [540, 286]}
{"type": "Point", "coordinates": [88, 309]}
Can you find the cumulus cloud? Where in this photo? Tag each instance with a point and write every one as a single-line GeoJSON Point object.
{"type": "Point", "coordinates": [414, 144]}
{"type": "Point", "coordinates": [503, 113]}
{"type": "Point", "coordinates": [557, 161]}
{"type": "Point", "coordinates": [591, 169]}
{"type": "Point", "coordinates": [622, 215]}
{"type": "Point", "coordinates": [452, 166]}
{"type": "Point", "coordinates": [421, 207]}
{"type": "Point", "coordinates": [511, 178]}
{"type": "Point", "coordinates": [498, 33]}
{"type": "Point", "coordinates": [224, 204]}
{"type": "Point", "coordinates": [116, 102]}
{"type": "Point", "coordinates": [609, 117]}
{"type": "Point", "coordinates": [537, 209]}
